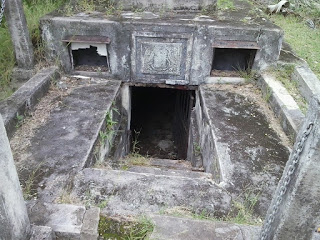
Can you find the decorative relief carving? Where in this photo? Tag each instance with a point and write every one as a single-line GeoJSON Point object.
{"type": "Point", "coordinates": [161, 58]}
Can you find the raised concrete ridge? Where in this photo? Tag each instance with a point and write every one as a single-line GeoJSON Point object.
{"type": "Point", "coordinates": [26, 97]}
{"type": "Point", "coordinates": [139, 193]}
{"type": "Point", "coordinates": [177, 228]}
{"type": "Point", "coordinates": [308, 83]}
{"type": "Point", "coordinates": [283, 104]}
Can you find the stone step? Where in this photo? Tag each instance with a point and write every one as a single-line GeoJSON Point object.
{"type": "Point", "coordinates": [129, 193]}
{"type": "Point", "coordinates": [65, 220]}
{"type": "Point", "coordinates": [42, 233]}
{"type": "Point", "coordinates": [169, 172]}
{"type": "Point", "coordinates": [171, 164]}
{"type": "Point", "coordinates": [177, 228]}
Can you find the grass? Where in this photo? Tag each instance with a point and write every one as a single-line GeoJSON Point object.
{"type": "Point", "coordinates": [137, 229]}
{"type": "Point", "coordinates": [34, 10]}
{"type": "Point", "coordinates": [283, 74]}
{"type": "Point", "coordinates": [242, 210]}
{"type": "Point", "coordinates": [225, 5]}
{"type": "Point", "coordinates": [29, 189]}
{"type": "Point", "coordinates": [304, 40]}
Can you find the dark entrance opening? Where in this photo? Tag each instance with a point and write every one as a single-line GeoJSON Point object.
{"type": "Point", "coordinates": [88, 59]}
{"type": "Point", "coordinates": [160, 119]}
{"type": "Point", "coordinates": [230, 59]}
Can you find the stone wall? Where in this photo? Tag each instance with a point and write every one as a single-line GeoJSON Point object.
{"type": "Point", "coordinates": [157, 51]}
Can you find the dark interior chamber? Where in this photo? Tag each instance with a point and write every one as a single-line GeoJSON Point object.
{"type": "Point", "coordinates": [88, 58]}
{"type": "Point", "coordinates": [230, 59]}
{"type": "Point", "coordinates": [160, 120]}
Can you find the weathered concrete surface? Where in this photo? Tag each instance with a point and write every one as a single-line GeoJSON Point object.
{"type": "Point", "coordinates": [42, 233]}
{"type": "Point", "coordinates": [188, 41]}
{"type": "Point", "coordinates": [249, 154]}
{"type": "Point", "coordinates": [19, 34]}
{"type": "Point", "coordinates": [65, 220]}
{"type": "Point", "coordinates": [89, 230]}
{"type": "Point", "coordinates": [167, 4]}
{"type": "Point", "coordinates": [62, 146]}
{"type": "Point", "coordinates": [169, 172]}
{"type": "Point", "coordinates": [26, 97]}
{"type": "Point", "coordinates": [135, 193]}
{"type": "Point", "coordinates": [308, 83]}
{"type": "Point", "coordinates": [14, 221]}
{"type": "Point", "coordinates": [298, 212]}
{"type": "Point", "coordinates": [283, 104]}
{"type": "Point", "coordinates": [167, 227]}
{"type": "Point", "coordinates": [224, 80]}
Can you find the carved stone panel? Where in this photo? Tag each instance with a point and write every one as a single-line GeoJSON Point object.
{"type": "Point", "coordinates": [161, 58]}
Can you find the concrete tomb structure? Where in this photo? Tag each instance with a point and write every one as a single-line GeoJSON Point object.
{"type": "Point", "coordinates": [136, 127]}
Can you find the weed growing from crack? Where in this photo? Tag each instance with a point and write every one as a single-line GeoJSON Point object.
{"type": "Point", "coordinates": [267, 94]}
{"type": "Point", "coordinates": [28, 188]}
{"type": "Point", "coordinates": [20, 120]}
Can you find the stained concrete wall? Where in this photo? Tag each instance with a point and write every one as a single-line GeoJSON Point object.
{"type": "Point", "coordinates": [14, 221]}
{"type": "Point", "coordinates": [170, 4]}
{"type": "Point", "coordinates": [124, 35]}
{"type": "Point", "coordinates": [207, 145]}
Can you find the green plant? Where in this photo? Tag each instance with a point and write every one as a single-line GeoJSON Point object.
{"type": "Point", "coordinates": [125, 229]}
{"type": "Point", "coordinates": [20, 120]}
{"type": "Point", "coordinates": [283, 74]}
{"type": "Point", "coordinates": [197, 148]}
{"type": "Point", "coordinates": [225, 5]}
{"type": "Point", "coordinates": [268, 94]}
{"type": "Point", "coordinates": [29, 189]}
{"type": "Point", "coordinates": [87, 6]}
{"type": "Point", "coordinates": [103, 204]}
{"type": "Point", "coordinates": [243, 208]}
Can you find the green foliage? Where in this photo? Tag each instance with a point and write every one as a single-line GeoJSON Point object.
{"type": "Point", "coordinates": [139, 229]}
{"type": "Point", "coordinates": [225, 5]}
{"type": "Point", "coordinates": [304, 40]}
{"type": "Point", "coordinates": [20, 120]}
{"type": "Point", "coordinates": [34, 10]}
{"type": "Point", "coordinates": [243, 208]}
{"type": "Point", "coordinates": [283, 74]}
{"type": "Point", "coordinates": [29, 189]}
{"type": "Point", "coordinates": [268, 94]}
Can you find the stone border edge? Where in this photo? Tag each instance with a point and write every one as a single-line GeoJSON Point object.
{"type": "Point", "coordinates": [282, 103]}
{"type": "Point", "coordinates": [26, 97]}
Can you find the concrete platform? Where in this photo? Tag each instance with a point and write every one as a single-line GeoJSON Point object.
{"type": "Point", "coordinates": [62, 145]}
{"type": "Point", "coordinates": [249, 154]}
{"type": "Point", "coordinates": [168, 227]}
{"type": "Point", "coordinates": [129, 193]}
